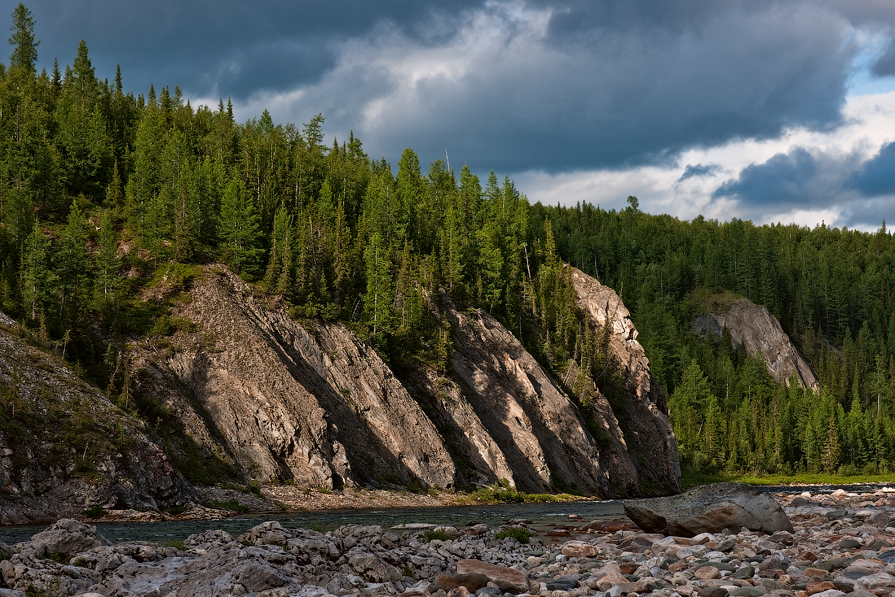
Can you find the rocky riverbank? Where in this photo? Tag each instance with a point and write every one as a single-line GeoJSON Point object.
{"type": "Point", "coordinates": [840, 544]}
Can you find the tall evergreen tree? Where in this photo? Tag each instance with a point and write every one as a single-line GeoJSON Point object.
{"type": "Point", "coordinates": [24, 53]}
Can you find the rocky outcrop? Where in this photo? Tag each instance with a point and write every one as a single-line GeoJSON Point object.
{"type": "Point", "coordinates": [642, 413]}
{"type": "Point", "coordinates": [311, 403]}
{"type": "Point", "coordinates": [753, 327]}
{"type": "Point", "coordinates": [709, 509]}
{"type": "Point", "coordinates": [64, 447]}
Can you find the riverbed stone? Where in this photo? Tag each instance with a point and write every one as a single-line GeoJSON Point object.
{"type": "Point", "coordinates": [709, 508]}
{"type": "Point", "coordinates": [511, 581]}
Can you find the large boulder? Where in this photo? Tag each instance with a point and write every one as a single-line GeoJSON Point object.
{"type": "Point", "coordinates": [709, 509]}
{"type": "Point", "coordinates": [66, 538]}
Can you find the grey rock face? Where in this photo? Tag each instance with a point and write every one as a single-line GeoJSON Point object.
{"type": "Point", "coordinates": [68, 448]}
{"type": "Point", "coordinates": [653, 451]}
{"type": "Point", "coordinates": [311, 402]}
{"type": "Point", "coordinates": [709, 509]}
{"type": "Point", "coordinates": [755, 328]}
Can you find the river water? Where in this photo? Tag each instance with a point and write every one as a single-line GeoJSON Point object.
{"type": "Point", "coordinates": [541, 515]}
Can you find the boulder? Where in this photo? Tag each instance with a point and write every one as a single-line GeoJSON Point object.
{"type": "Point", "coordinates": [511, 581]}
{"type": "Point", "coordinates": [472, 582]}
{"type": "Point", "coordinates": [579, 549]}
{"type": "Point", "coordinates": [66, 538]}
{"type": "Point", "coordinates": [709, 509]}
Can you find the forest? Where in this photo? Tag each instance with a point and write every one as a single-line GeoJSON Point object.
{"type": "Point", "coordinates": [105, 193]}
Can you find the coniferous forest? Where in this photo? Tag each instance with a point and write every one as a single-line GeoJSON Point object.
{"type": "Point", "coordinates": [105, 193]}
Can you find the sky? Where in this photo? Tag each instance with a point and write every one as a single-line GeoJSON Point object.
{"type": "Point", "coordinates": [767, 110]}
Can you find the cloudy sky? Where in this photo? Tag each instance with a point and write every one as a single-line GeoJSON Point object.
{"type": "Point", "coordinates": [769, 110]}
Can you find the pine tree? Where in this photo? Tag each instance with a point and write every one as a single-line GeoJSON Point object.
{"type": "Point", "coordinates": [38, 277]}
{"type": "Point", "coordinates": [107, 281]}
{"type": "Point", "coordinates": [240, 230]}
{"type": "Point", "coordinates": [71, 267]}
{"type": "Point", "coordinates": [24, 53]}
{"type": "Point", "coordinates": [378, 300]}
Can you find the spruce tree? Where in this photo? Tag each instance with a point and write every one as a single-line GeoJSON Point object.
{"type": "Point", "coordinates": [24, 53]}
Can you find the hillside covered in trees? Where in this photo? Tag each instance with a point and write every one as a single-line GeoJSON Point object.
{"type": "Point", "coordinates": [830, 288]}
{"type": "Point", "coordinates": [106, 196]}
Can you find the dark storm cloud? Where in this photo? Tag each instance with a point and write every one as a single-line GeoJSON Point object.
{"type": "Point", "coordinates": [783, 181]}
{"type": "Point", "coordinates": [877, 176]}
{"type": "Point", "coordinates": [699, 170]}
{"type": "Point", "coordinates": [608, 84]}
{"type": "Point", "coordinates": [233, 47]}
{"type": "Point", "coordinates": [618, 95]}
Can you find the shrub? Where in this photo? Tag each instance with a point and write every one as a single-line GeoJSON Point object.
{"type": "Point", "coordinates": [432, 535]}
{"type": "Point", "coordinates": [94, 512]}
{"type": "Point", "coordinates": [518, 533]}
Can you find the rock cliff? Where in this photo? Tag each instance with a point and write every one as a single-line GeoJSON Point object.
{"type": "Point", "coordinates": [313, 404]}
{"type": "Point", "coordinates": [65, 448]}
{"type": "Point", "coordinates": [753, 327]}
{"type": "Point", "coordinates": [643, 414]}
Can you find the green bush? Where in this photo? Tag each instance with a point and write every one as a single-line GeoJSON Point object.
{"type": "Point", "coordinates": [517, 533]}
{"type": "Point", "coordinates": [94, 512]}
{"type": "Point", "coordinates": [432, 535]}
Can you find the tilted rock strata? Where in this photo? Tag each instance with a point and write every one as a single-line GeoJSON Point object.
{"type": "Point", "coordinates": [753, 327]}
{"type": "Point", "coordinates": [644, 415]}
{"type": "Point", "coordinates": [321, 409]}
{"type": "Point", "coordinates": [64, 447]}
{"type": "Point", "coordinates": [538, 429]}
{"type": "Point", "coordinates": [311, 402]}
{"type": "Point", "coordinates": [840, 544]}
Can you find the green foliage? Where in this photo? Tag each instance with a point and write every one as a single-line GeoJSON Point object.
{"type": "Point", "coordinates": [826, 286]}
{"type": "Point", "coordinates": [518, 533]}
{"type": "Point", "coordinates": [435, 535]}
{"type": "Point", "coordinates": [95, 511]}
{"type": "Point", "coordinates": [232, 504]}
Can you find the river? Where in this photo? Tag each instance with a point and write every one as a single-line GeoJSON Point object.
{"type": "Point", "coordinates": [541, 515]}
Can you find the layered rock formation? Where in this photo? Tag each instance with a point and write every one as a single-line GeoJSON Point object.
{"type": "Point", "coordinates": [64, 447]}
{"type": "Point", "coordinates": [753, 327]}
{"type": "Point", "coordinates": [643, 414]}
{"type": "Point", "coordinates": [313, 404]}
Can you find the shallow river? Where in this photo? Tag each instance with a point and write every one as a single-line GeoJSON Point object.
{"type": "Point", "coordinates": [541, 515]}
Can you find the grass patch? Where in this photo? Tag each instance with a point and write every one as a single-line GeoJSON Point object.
{"type": "Point", "coordinates": [231, 504]}
{"type": "Point", "coordinates": [693, 479]}
{"type": "Point", "coordinates": [175, 543]}
{"type": "Point", "coordinates": [518, 533]}
{"type": "Point", "coordinates": [502, 493]}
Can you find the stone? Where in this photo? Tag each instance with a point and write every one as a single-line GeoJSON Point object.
{"type": "Point", "coordinates": [711, 592]}
{"type": "Point", "coordinates": [473, 582]}
{"type": "Point", "coordinates": [511, 581]}
{"type": "Point", "coordinates": [819, 587]}
{"type": "Point", "coordinates": [878, 519]}
{"type": "Point", "coordinates": [744, 572]}
{"type": "Point", "coordinates": [875, 581]}
{"type": "Point", "coordinates": [564, 583]}
{"type": "Point", "coordinates": [707, 572]}
{"type": "Point", "coordinates": [747, 592]}
{"type": "Point", "coordinates": [66, 538]}
{"type": "Point", "coordinates": [579, 549]}
{"type": "Point", "coordinates": [709, 508]}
